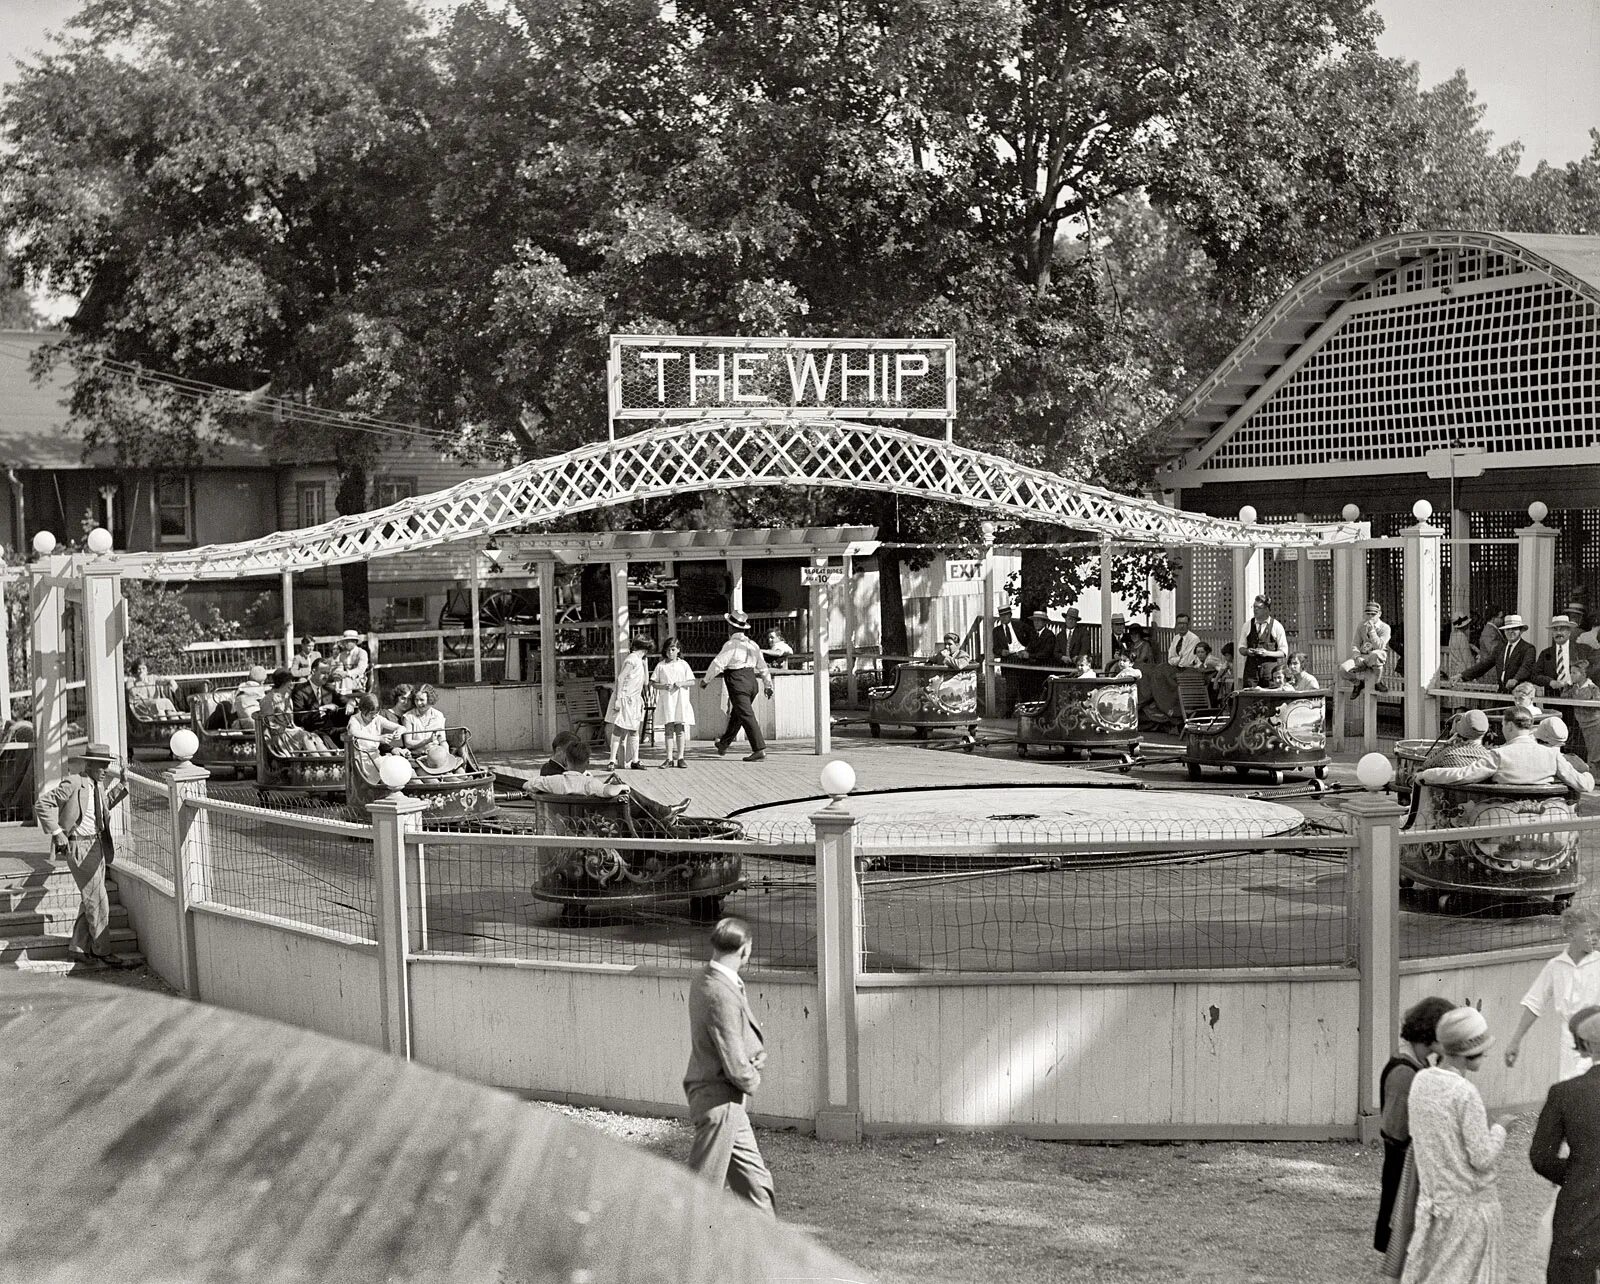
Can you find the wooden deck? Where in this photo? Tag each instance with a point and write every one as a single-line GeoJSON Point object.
{"type": "Point", "coordinates": [151, 1139]}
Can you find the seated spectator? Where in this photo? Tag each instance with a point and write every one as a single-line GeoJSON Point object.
{"type": "Point", "coordinates": [777, 648]}
{"type": "Point", "coordinates": [148, 696]}
{"type": "Point", "coordinates": [399, 702]}
{"type": "Point", "coordinates": [573, 757]}
{"type": "Point", "coordinates": [1369, 653]}
{"type": "Point", "coordinates": [247, 698]}
{"type": "Point", "coordinates": [1269, 677]}
{"type": "Point", "coordinates": [1297, 676]}
{"type": "Point", "coordinates": [554, 765]}
{"type": "Point", "coordinates": [369, 731]}
{"type": "Point", "coordinates": [1183, 652]}
{"type": "Point", "coordinates": [424, 722]}
{"type": "Point", "coordinates": [1521, 760]}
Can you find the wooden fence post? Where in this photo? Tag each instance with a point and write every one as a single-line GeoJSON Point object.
{"type": "Point", "coordinates": [191, 861]}
{"type": "Point", "coordinates": [399, 912]}
{"type": "Point", "coordinates": [1374, 900]}
{"type": "Point", "coordinates": [838, 966]}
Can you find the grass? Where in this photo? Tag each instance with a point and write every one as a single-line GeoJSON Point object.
{"type": "Point", "coordinates": [965, 1208]}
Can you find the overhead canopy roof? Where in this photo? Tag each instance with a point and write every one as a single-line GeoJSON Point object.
{"type": "Point", "coordinates": [688, 546]}
{"type": "Point", "coordinates": [1394, 270]}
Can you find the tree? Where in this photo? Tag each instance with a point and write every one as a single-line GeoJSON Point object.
{"type": "Point", "coordinates": [216, 181]}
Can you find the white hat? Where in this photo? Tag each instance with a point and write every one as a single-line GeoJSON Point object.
{"type": "Point", "coordinates": [350, 635]}
{"type": "Point", "coordinates": [1513, 621]}
{"type": "Point", "coordinates": [1560, 622]}
{"type": "Point", "coordinates": [1552, 730]}
{"type": "Point", "coordinates": [1463, 1032]}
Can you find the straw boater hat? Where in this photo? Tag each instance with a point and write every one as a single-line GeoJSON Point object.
{"type": "Point", "coordinates": [737, 619]}
{"type": "Point", "coordinates": [96, 752]}
{"type": "Point", "coordinates": [1462, 1032]}
{"type": "Point", "coordinates": [350, 635]}
{"type": "Point", "coordinates": [1560, 622]}
{"type": "Point", "coordinates": [1460, 621]}
{"type": "Point", "coordinates": [1513, 621]}
{"type": "Point", "coordinates": [1118, 617]}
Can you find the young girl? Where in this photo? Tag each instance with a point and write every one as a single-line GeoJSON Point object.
{"type": "Point", "coordinates": [625, 713]}
{"type": "Point", "coordinates": [1296, 676]}
{"type": "Point", "coordinates": [424, 724]}
{"type": "Point", "coordinates": [672, 680]}
{"type": "Point", "coordinates": [1588, 720]}
{"type": "Point", "coordinates": [369, 730]}
{"type": "Point", "coordinates": [400, 702]}
{"type": "Point", "coordinates": [1269, 677]}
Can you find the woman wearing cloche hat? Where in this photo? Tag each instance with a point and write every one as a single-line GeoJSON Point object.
{"type": "Point", "coordinates": [1457, 1234]}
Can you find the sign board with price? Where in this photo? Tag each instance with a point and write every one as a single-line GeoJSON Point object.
{"type": "Point", "coordinates": [813, 575]}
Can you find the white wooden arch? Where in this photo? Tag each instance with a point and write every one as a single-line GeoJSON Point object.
{"type": "Point", "coordinates": [712, 454]}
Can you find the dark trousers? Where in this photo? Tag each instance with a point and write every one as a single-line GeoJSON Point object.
{"type": "Point", "coordinates": [1394, 1163]}
{"type": "Point", "coordinates": [725, 1151]}
{"type": "Point", "coordinates": [742, 686]}
{"type": "Point", "coordinates": [1571, 1270]}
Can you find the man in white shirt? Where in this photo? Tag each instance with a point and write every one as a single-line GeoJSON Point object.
{"type": "Point", "coordinates": [1553, 670]}
{"type": "Point", "coordinates": [351, 677]}
{"type": "Point", "coordinates": [743, 670]}
{"type": "Point", "coordinates": [1180, 651]}
{"type": "Point", "coordinates": [1566, 984]}
{"type": "Point", "coordinates": [1521, 760]}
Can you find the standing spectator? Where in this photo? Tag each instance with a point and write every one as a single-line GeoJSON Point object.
{"type": "Point", "coordinates": [1566, 984]}
{"type": "Point", "coordinates": [1369, 653]}
{"type": "Point", "coordinates": [1459, 654]}
{"type": "Point", "coordinates": [1571, 1120]}
{"type": "Point", "coordinates": [1181, 650]}
{"type": "Point", "coordinates": [1264, 641]}
{"type": "Point", "coordinates": [1489, 638]}
{"type": "Point", "coordinates": [674, 710]}
{"type": "Point", "coordinates": [1458, 1225]}
{"type": "Point", "coordinates": [726, 1056]}
{"type": "Point", "coordinates": [625, 711]}
{"type": "Point", "coordinates": [1298, 676]}
{"type": "Point", "coordinates": [350, 675]}
{"type": "Point", "coordinates": [1119, 632]}
{"type": "Point", "coordinates": [1510, 663]}
{"type": "Point", "coordinates": [1009, 648]}
{"type": "Point", "coordinates": [305, 655]}
{"type": "Point", "coordinates": [1553, 670]}
{"type": "Point", "coordinates": [1219, 674]}
{"type": "Point", "coordinates": [777, 648]}
{"type": "Point", "coordinates": [75, 813]}
{"type": "Point", "coordinates": [1418, 1029]}
{"type": "Point", "coordinates": [744, 671]}
{"type": "Point", "coordinates": [1583, 688]}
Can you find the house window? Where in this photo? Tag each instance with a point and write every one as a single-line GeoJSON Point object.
{"type": "Point", "coordinates": [174, 509]}
{"type": "Point", "coordinates": [313, 503]}
{"type": "Point", "coordinates": [409, 610]}
{"type": "Point", "coordinates": [391, 490]}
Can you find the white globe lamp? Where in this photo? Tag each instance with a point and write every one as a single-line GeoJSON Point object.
{"type": "Point", "coordinates": [1352, 512]}
{"type": "Point", "coordinates": [44, 543]}
{"type": "Point", "coordinates": [99, 541]}
{"type": "Point", "coordinates": [1247, 515]}
{"type": "Point", "coordinates": [1374, 771]}
{"type": "Point", "coordinates": [395, 772]}
{"type": "Point", "coordinates": [1538, 510]}
{"type": "Point", "coordinates": [986, 530]}
{"type": "Point", "coordinates": [838, 779]}
{"type": "Point", "coordinates": [184, 744]}
{"type": "Point", "coordinates": [1422, 510]}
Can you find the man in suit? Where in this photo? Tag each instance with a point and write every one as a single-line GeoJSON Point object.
{"type": "Point", "coordinates": [1180, 651]}
{"type": "Point", "coordinates": [75, 813]}
{"type": "Point", "coordinates": [726, 1055]}
{"type": "Point", "coordinates": [1553, 669]}
{"type": "Point", "coordinates": [1571, 1115]}
{"type": "Point", "coordinates": [1509, 663]}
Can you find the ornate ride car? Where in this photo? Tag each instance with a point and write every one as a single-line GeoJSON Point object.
{"type": "Point", "coordinates": [1268, 731]}
{"type": "Point", "coordinates": [287, 768]}
{"type": "Point", "coordinates": [578, 878]}
{"type": "Point", "coordinates": [1525, 866]}
{"type": "Point", "coordinates": [1083, 715]}
{"type": "Point", "coordinates": [150, 726]}
{"type": "Point", "coordinates": [222, 747]}
{"type": "Point", "coordinates": [467, 790]}
{"type": "Point", "coordinates": [925, 696]}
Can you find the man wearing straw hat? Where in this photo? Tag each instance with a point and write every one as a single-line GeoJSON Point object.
{"type": "Point", "coordinates": [1509, 663]}
{"type": "Point", "coordinates": [744, 671]}
{"type": "Point", "coordinates": [75, 813]}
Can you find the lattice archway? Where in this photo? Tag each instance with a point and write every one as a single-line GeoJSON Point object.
{"type": "Point", "coordinates": [717, 454]}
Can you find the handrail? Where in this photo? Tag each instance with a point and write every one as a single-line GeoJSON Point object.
{"type": "Point", "coordinates": [287, 820]}
{"type": "Point", "coordinates": [1585, 824]}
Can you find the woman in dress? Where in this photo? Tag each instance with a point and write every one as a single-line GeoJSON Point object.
{"type": "Point", "coordinates": [399, 702]}
{"type": "Point", "coordinates": [1418, 1032]}
{"type": "Point", "coordinates": [1458, 1228]}
{"type": "Point", "coordinates": [369, 731]}
{"type": "Point", "coordinates": [277, 710]}
{"type": "Point", "coordinates": [150, 698]}
{"type": "Point", "coordinates": [625, 712]}
{"type": "Point", "coordinates": [423, 724]}
{"type": "Point", "coordinates": [672, 680]}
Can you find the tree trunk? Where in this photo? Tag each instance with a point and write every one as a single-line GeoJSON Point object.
{"type": "Point", "coordinates": [354, 581]}
{"type": "Point", "coordinates": [891, 600]}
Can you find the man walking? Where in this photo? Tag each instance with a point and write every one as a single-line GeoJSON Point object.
{"type": "Point", "coordinates": [75, 813]}
{"type": "Point", "coordinates": [726, 1055]}
{"type": "Point", "coordinates": [744, 671]}
{"type": "Point", "coordinates": [1571, 1115]}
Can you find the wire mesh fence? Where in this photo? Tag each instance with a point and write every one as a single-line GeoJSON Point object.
{"type": "Point", "coordinates": [310, 870]}
{"type": "Point", "coordinates": [500, 889]}
{"type": "Point", "coordinates": [147, 842]}
{"type": "Point", "coordinates": [1472, 895]}
{"type": "Point", "coordinates": [1102, 897]}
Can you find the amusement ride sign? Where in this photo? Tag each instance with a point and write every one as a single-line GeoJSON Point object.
{"type": "Point", "coordinates": [660, 377]}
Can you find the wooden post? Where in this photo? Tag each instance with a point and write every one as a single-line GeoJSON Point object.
{"type": "Point", "coordinates": [398, 913]}
{"type": "Point", "coordinates": [1305, 589]}
{"type": "Point", "coordinates": [735, 583]}
{"type": "Point", "coordinates": [850, 630]}
{"type": "Point", "coordinates": [986, 657]}
{"type": "Point", "coordinates": [821, 665]}
{"type": "Point", "coordinates": [1108, 601]}
{"type": "Point", "coordinates": [191, 871]}
{"type": "Point", "coordinates": [104, 627]}
{"type": "Point", "coordinates": [1374, 897]}
{"type": "Point", "coordinates": [287, 580]}
{"type": "Point", "coordinates": [1421, 657]}
{"type": "Point", "coordinates": [838, 970]}
{"type": "Point", "coordinates": [48, 665]}
{"type": "Point", "coordinates": [1536, 575]}
{"type": "Point", "coordinates": [621, 625]}
{"type": "Point", "coordinates": [1460, 564]}
{"type": "Point", "coordinates": [547, 648]}
{"type": "Point", "coordinates": [671, 569]}
{"type": "Point", "coordinates": [5, 649]}
{"type": "Point", "coordinates": [438, 658]}
{"type": "Point", "coordinates": [475, 598]}
{"type": "Point", "coordinates": [1247, 585]}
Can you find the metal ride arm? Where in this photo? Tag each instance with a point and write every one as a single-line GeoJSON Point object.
{"type": "Point", "coordinates": [718, 454]}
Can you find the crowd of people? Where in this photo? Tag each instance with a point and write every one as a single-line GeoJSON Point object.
{"type": "Point", "coordinates": [1440, 1219]}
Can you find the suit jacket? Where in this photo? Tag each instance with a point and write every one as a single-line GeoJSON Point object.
{"type": "Point", "coordinates": [1544, 669]}
{"type": "Point", "coordinates": [1571, 1114]}
{"type": "Point", "coordinates": [1508, 665]}
{"type": "Point", "coordinates": [724, 1041]}
{"type": "Point", "coordinates": [70, 799]}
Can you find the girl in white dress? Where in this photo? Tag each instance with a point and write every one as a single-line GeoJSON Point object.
{"type": "Point", "coordinates": [423, 723]}
{"type": "Point", "coordinates": [672, 680]}
{"type": "Point", "coordinates": [625, 712]}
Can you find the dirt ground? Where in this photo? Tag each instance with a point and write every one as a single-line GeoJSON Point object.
{"type": "Point", "coordinates": [963, 1208]}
